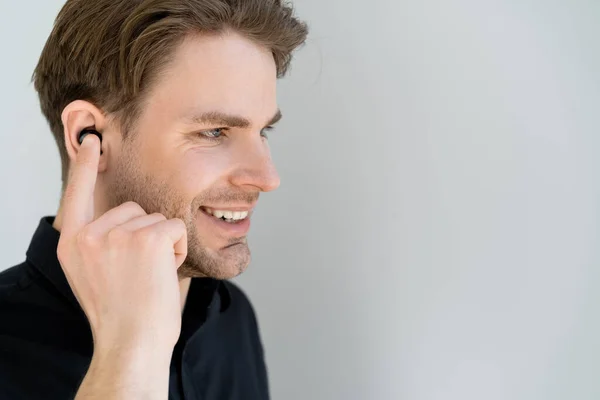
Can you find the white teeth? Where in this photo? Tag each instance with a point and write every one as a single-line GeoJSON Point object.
{"type": "Point", "coordinates": [218, 214]}
{"type": "Point", "coordinates": [233, 215]}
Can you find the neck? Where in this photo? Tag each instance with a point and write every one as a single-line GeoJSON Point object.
{"type": "Point", "coordinates": [184, 288]}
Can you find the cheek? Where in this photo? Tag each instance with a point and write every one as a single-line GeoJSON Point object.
{"type": "Point", "coordinates": [201, 169]}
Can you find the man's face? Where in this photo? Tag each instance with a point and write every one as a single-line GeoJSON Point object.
{"type": "Point", "coordinates": [200, 148]}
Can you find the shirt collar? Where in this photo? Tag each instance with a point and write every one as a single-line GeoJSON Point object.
{"type": "Point", "coordinates": [41, 254]}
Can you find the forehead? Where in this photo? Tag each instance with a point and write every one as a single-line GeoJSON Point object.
{"type": "Point", "coordinates": [224, 72]}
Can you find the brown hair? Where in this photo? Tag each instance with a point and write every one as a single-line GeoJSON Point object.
{"type": "Point", "coordinates": [109, 52]}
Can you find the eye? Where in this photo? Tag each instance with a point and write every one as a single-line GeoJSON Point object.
{"type": "Point", "coordinates": [212, 134]}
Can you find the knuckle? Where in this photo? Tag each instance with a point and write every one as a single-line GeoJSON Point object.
{"type": "Point", "coordinates": [179, 223]}
{"type": "Point", "coordinates": [147, 237]}
{"type": "Point", "coordinates": [132, 206]}
{"type": "Point", "coordinates": [117, 235]}
{"type": "Point", "coordinates": [159, 216]}
{"type": "Point", "coordinates": [85, 238]}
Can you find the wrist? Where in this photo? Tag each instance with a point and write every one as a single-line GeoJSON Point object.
{"type": "Point", "coordinates": [142, 349]}
{"type": "Point", "coordinates": [131, 370]}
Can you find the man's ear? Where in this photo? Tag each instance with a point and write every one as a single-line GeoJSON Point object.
{"type": "Point", "coordinates": [77, 116]}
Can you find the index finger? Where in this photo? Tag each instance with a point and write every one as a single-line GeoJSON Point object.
{"type": "Point", "coordinates": [78, 199]}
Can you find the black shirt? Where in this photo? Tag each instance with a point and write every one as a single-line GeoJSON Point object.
{"type": "Point", "coordinates": [46, 343]}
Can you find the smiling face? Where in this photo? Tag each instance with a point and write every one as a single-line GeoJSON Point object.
{"type": "Point", "coordinates": [200, 150]}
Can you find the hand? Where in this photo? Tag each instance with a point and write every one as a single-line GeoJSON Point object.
{"type": "Point", "coordinates": [122, 267]}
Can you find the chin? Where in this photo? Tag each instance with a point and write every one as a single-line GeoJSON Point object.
{"type": "Point", "coordinates": [223, 273]}
{"type": "Point", "coordinates": [227, 263]}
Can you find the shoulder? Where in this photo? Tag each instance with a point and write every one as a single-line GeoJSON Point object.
{"type": "Point", "coordinates": [37, 311]}
{"type": "Point", "coordinates": [13, 279]}
{"type": "Point", "coordinates": [22, 285]}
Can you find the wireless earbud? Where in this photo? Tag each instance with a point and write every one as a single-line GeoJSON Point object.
{"type": "Point", "coordinates": [88, 131]}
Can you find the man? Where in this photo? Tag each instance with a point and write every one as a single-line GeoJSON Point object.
{"type": "Point", "coordinates": [124, 293]}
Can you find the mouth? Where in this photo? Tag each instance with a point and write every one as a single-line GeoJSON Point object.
{"type": "Point", "coordinates": [232, 222]}
{"type": "Point", "coordinates": [229, 216]}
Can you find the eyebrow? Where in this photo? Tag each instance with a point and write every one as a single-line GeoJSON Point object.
{"type": "Point", "coordinates": [229, 120]}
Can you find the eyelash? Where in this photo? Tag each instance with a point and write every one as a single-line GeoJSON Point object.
{"type": "Point", "coordinates": [264, 133]}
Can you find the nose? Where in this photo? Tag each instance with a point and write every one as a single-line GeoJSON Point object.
{"type": "Point", "coordinates": [255, 168]}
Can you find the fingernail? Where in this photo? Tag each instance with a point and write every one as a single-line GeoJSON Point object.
{"type": "Point", "coordinates": [82, 139]}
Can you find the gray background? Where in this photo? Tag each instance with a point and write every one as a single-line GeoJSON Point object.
{"type": "Point", "coordinates": [436, 232]}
